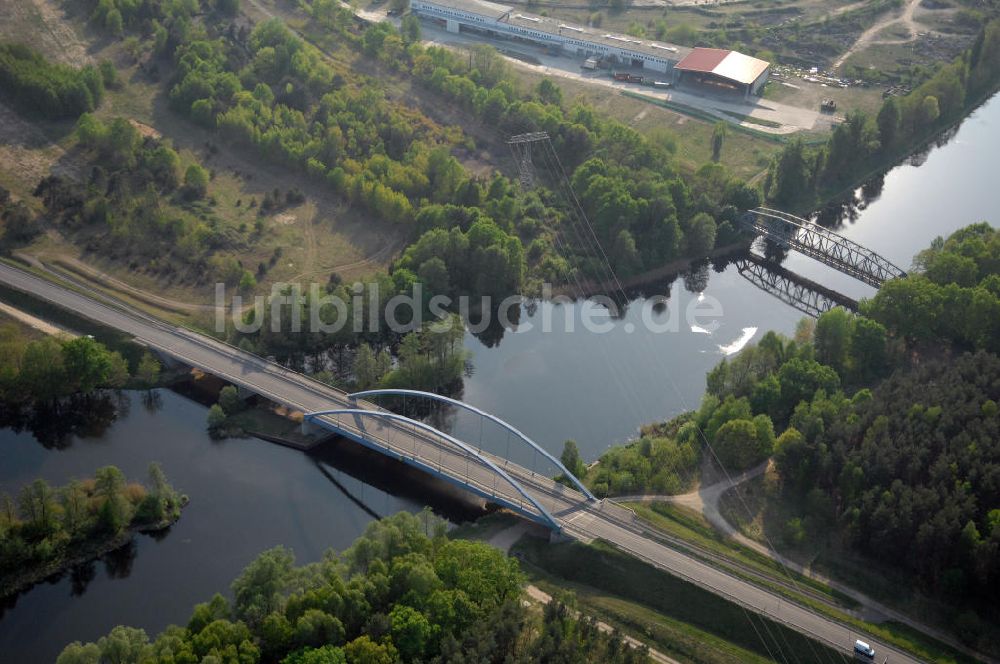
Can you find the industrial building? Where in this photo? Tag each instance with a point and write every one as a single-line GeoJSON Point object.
{"type": "Point", "coordinates": [723, 68]}
{"type": "Point", "coordinates": [730, 69]}
{"type": "Point", "coordinates": [505, 22]}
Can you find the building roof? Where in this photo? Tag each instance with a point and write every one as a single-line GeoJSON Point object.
{"type": "Point", "coordinates": [484, 7]}
{"type": "Point", "coordinates": [724, 63]}
{"type": "Point", "coordinates": [524, 19]}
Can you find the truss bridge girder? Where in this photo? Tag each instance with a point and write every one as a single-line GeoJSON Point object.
{"type": "Point", "coordinates": [822, 244]}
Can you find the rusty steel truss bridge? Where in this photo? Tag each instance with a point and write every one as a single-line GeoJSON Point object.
{"type": "Point", "coordinates": [822, 244]}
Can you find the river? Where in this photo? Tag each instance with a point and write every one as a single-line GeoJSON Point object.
{"type": "Point", "coordinates": [597, 389]}
{"type": "Point", "coordinates": [248, 495]}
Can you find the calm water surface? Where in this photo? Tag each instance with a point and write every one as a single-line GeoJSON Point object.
{"type": "Point", "coordinates": [599, 389]}
{"type": "Point", "coordinates": [248, 495]}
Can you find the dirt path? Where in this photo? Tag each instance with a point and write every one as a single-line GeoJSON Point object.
{"type": "Point", "coordinates": [704, 500]}
{"type": "Point", "coordinates": [868, 37]}
{"type": "Point", "coordinates": [37, 323]}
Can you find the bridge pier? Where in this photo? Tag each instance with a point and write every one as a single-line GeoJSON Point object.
{"type": "Point", "coordinates": [558, 537]}
{"type": "Point", "coordinates": [166, 360]}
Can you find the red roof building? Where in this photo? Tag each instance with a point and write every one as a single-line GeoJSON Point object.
{"type": "Point", "coordinates": [723, 67]}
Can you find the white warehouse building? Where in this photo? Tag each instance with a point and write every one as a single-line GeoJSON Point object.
{"type": "Point", "coordinates": [506, 22]}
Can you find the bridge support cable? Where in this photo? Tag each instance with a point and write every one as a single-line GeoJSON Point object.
{"type": "Point", "coordinates": [322, 419]}
{"type": "Point", "coordinates": [510, 429]}
{"type": "Point", "coordinates": [807, 296]}
{"type": "Point", "coordinates": [823, 244]}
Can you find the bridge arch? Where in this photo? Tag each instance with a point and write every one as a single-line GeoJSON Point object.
{"type": "Point", "coordinates": [545, 515]}
{"type": "Point", "coordinates": [493, 418]}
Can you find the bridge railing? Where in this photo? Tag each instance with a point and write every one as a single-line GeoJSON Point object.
{"type": "Point", "coordinates": [510, 429]}
{"type": "Point", "coordinates": [470, 455]}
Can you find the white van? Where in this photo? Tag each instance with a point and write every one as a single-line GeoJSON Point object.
{"type": "Point", "coordinates": [863, 649]}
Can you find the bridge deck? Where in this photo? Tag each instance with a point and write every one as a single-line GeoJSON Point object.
{"type": "Point", "coordinates": [578, 517]}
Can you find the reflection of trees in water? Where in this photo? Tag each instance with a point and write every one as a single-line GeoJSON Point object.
{"type": "Point", "coordinates": [721, 263]}
{"type": "Point", "coordinates": [55, 423]}
{"type": "Point", "coordinates": [7, 603]}
{"type": "Point", "coordinates": [80, 577]}
{"type": "Point", "coordinates": [871, 191]}
{"type": "Point", "coordinates": [118, 563]}
{"type": "Point", "coordinates": [848, 209]}
{"type": "Point", "coordinates": [159, 535]}
{"type": "Point", "coordinates": [918, 158]}
{"type": "Point", "coordinates": [773, 252]}
{"type": "Point", "coordinates": [152, 401]}
{"type": "Point", "coordinates": [696, 278]}
{"type": "Point", "coordinates": [487, 327]}
{"type": "Point", "coordinates": [439, 415]}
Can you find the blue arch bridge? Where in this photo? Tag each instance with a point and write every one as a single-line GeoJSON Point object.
{"type": "Point", "coordinates": [418, 444]}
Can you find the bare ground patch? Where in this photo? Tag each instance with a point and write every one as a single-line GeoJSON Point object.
{"type": "Point", "coordinates": [45, 26]}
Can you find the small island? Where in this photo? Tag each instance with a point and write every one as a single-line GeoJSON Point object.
{"type": "Point", "coordinates": [48, 530]}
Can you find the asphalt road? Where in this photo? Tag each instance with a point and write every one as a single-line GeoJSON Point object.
{"type": "Point", "coordinates": [578, 518]}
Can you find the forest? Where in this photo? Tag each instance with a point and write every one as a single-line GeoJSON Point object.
{"type": "Point", "coordinates": [50, 90]}
{"type": "Point", "coordinates": [800, 177]}
{"type": "Point", "coordinates": [402, 592]}
{"type": "Point", "coordinates": [47, 528]}
{"type": "Point", "coordinates": [890, 425]}
{"type": "Point", "coordinates": [666, 458]}
{"type": "Point", "coordinates": [262, 88]}
{"type": "Point", "coordinates": [284, 100]}
{"type": "Point", "coordinates": [954, 298]}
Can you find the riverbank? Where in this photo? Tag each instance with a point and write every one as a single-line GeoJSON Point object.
{"type": "Point", "coordinates": [802, 178]}
{"type": "Point", "coordinates": [898, 157]}
{"type": "Point", "coordinates": [658, 274]}
{"type": "Point", "coordinates": [85, 552]}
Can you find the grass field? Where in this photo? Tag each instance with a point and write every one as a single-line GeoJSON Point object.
{"type": "Point", "coordinates": [694, 528]}
{"type": "Point", "coordinates": [745, 155]}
